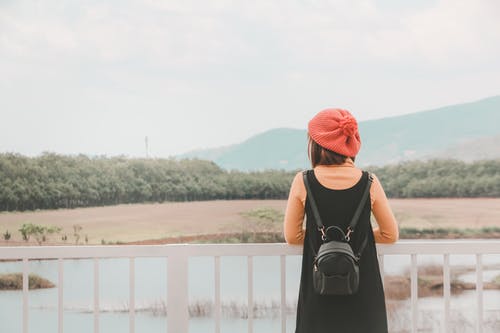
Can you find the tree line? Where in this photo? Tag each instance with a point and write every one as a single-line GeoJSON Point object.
{"type": "Point", "coordinates": [441, 179]}
{"type": "Point", "coordinates": [52, 181]}
{"type": "Point", "coordinates": [57, 181]}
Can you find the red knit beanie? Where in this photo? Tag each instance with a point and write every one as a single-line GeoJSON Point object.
{"type": "Point", "coordinates": [336, 130]}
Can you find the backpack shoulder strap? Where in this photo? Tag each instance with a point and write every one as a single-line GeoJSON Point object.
{"type": "Point", "coordinates": [355, 218]}
{"type": "Point", "coordinates": [361, 205]}
{"type": "Point", "coordinates": [312, 202]}
{"type": "Point", "coordinates": [314, 208]}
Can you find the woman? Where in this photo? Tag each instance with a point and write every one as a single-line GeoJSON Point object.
{"type": "Point", "coordinates": [337, 186]}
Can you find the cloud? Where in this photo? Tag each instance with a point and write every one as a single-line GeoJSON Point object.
{"type": "Point", "coordinates": [189, 34]}
{"type": "Point", "coordinates": [457, 33]}
{"type": "Point", "coordinates": [157, 65]}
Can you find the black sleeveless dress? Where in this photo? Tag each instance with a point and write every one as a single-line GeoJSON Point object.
{"type": "Point", "coordinates": [363, 312]}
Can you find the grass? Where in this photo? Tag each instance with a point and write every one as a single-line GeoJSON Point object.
{"type": "Point", "coordinates": [14, 281]}
{"type": "Point", "coordinates": [262, 219]}
{"type": "Point", "coordinates": [244, 237]}
{"type": "Point", "coordinates": [249, 236]}
{"type": "Point", "coordinates": [450, 232]}
{"type": "Point", "coordinates": [398, 313]}
{"type": "Point", "coordinates": [206, 308]}
{"type": "Point", "coordinates": [255, 236]}
{"type": "Point", "coordinates": [266, 214]}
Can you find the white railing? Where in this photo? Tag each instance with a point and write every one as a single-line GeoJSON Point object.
{"type": "Point", "coordinates": [177, 273]}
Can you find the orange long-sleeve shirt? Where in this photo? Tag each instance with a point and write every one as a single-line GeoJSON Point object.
{"type": "Point", "coordinates": [338, 177]}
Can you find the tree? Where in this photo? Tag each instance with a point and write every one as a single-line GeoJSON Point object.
{"type": "Point", "coordinates": [76, 232]}
{"type": "Point", "coordinates": [26, 230]}
{"type": "Point", "coordinates": [39, 232]}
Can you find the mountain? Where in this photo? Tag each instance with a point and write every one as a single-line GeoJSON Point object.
{"type": "Point", "coordinates": [282, 148]}
{"type": "Point", "coordinates": [473, 150]}
{"type": "Point", "coordinates": [466, 131]}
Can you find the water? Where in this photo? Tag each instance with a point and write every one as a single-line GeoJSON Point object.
{"type": "Point", "coordinates": [151, 277]}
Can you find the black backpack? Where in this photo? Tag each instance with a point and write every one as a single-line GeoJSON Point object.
{"type": "Point", "coordinates": [335, 266]}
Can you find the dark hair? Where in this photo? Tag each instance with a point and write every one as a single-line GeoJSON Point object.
{"type": "Point", "coordinates": [322, 156]}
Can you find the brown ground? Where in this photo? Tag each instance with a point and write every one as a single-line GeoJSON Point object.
{"type": "Point", "coordinates": [128, 223]}
{"type": "Point", "coordinates": [447, 213]}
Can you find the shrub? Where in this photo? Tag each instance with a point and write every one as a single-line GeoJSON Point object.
{"type": "Point", "coordinates": [40, 232]}
{"type": "Point", "coordinates": [15, 282]}
{"type": "Point", "coordinates": [76, 232]}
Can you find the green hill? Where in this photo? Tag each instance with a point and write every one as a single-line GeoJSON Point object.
{"type": "Point", "coordinates": [428, 133]}
{"type": "Point", "coordinates": [282, 148]}
{"type": "Point", "coordinates": [457, 131]}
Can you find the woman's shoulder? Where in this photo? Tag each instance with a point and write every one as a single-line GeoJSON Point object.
{"type": "Point", "coordinates": [376, 190]}
{"type": "Point", "coordinates": [375, 180]}
{"type": "Point", "coordinates": [298, 188]}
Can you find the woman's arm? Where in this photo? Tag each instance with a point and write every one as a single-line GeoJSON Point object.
{"type": "Point", "coordinates": [387, 230]}
{"type": "Point", "coordinates": [294, 215]}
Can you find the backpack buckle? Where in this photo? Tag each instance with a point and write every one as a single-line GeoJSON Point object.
{"type": "Point", "coordinates": [323, 234]}
{"type": "Point", "coordinates": [348, 235]}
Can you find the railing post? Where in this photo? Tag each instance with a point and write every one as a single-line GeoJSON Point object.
{"type": "Point", "coordinates": [283, 292]}
{"type": "Point", "coordinates": [414, 294]}
{"type": "Point", "coordinates": [446, 292]}
{"type": "Point", "coordinates": [217, 294]}
{"type": "Point", "coordinates": [479, 291]}
{"type": "Point", "coordinates": [96, 295]}
{"type": "Point", "coordinates": [177, 293]}
{"type": "Point", "coordinates": [25, 294]}
{"type": "Point", "coordinates": [250, 293]}
{"type": "Point", "coordinates": [60, 293]}
{"type": "Point", "coordinates": [132, 295]}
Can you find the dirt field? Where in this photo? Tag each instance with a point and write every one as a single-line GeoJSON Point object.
{"type": "Point", "coordinates": [447, 213]}
{"type": "Point", "coordinates": [127, 223]}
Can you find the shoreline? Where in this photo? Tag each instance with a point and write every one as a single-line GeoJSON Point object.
{"type": "Point", "coordinates": [271, 237]}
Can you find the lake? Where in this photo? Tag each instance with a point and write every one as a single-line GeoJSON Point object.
{"type": "Point", "coordinates": [151, 295]}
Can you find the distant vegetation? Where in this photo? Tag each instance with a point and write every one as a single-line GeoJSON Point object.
{"type": "Point", "coordinates": [53, 181]}
{"type": "Point", "coordinates": [39, 232]}
{"type": "Point", "coordinates": [14, 281]}
{"type": "Point", "coordinates": [441, 178]}
{"type": "Point", "coordinates": [56, 181]}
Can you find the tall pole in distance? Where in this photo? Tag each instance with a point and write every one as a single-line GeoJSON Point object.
{"type": "Point", "coordinates": [147, 147]}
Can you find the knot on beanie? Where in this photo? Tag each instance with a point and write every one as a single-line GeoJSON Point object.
{"type": "Point", "coordinates": [348, 125]}
{"type": "Point", "coordinates": [336, 130]}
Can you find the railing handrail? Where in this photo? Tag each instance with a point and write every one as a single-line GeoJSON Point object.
{"type": "Point", "coordinates": [243, 249]}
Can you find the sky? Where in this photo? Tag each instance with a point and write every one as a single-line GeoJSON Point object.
{"type": "Point", "coordinates": [97, 77]}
